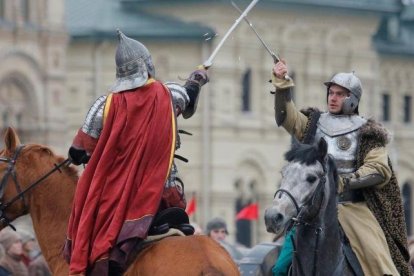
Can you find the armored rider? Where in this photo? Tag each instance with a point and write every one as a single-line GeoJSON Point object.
{"type": "Point", "coordinates": [370, 207]}
{"type": "Point", "coordinates": [128, 139]}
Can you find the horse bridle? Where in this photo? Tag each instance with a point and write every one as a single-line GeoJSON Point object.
{"type": "Point", "coordinates": [299, 221]}
{"type": "Point", "coordinates": [290, 196]}
{"type": "Point", "coordinates": [11, 172]}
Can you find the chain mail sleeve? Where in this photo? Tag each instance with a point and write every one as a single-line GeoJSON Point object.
{"type": "Point", "coordinates": [94, 119]}
{"type": "Point", "coordinates": [179, 95]}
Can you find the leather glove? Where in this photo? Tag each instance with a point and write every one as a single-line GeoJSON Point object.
{"type": "Point", "coordinates": [199, 76]}
{"type": "Point", "coordinates": [78, 156]}
{"type": "Point", "coordinates": [347, 180]}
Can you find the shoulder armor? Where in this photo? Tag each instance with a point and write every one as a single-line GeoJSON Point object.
{"type": "Point", "coordinates": [94, 119]}
{"type": "Point", "coordinates": [179, 95]}
{"type": "Point", "coordinates": [334, 125]}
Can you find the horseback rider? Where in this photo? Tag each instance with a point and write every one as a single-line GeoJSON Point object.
{"type": "Point", "coordinates": [370, 207]}
{"type": "Point", "coordinates": [128, 139]}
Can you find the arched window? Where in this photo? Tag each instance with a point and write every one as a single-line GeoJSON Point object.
{"type": "Point", "coordinates": [248, 185]}
{"type": "Point", "coordinates": [406, 196]}
{"type": "Point", "coordinates": [14, 106]}
{"type": "Point", "coordinates": [246, 90]}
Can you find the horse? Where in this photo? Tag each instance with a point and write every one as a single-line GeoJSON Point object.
{"type": "Point", "coordinates": [307, 199]}
{"type": "Point", "coordinates": [31, 182]}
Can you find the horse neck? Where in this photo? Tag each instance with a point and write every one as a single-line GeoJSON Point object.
{"type": "Point", "coordinates": [327, 240]}
{"type": "Point", "coordinates": [50, 206]}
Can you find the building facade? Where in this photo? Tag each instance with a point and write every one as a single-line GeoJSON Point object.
{"type": "Point", "coordinates": [236, 151]}
{"type": "Point", "coordinates": [33, 68]}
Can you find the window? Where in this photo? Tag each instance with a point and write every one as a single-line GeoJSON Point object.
{"type": "Point", "coordinates": [25, 10]}
{"type": "Point", "coordinates": [246, 87]}
{"type": "Point", "coordinates": [407, 109]}
{"type": "Point", "coordinates": [386, 99]}
{"type": "Point", "coordinates": [2, 9]}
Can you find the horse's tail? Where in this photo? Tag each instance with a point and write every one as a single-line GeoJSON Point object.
{"type": "Point", "coordinates": [211, 271]}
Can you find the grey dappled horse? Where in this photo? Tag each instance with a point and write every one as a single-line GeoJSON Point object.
{"type": "Point", "coordinates": [307, 198]}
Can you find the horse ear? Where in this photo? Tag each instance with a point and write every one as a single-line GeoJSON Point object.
{"type": "Point", "coordinates": [323, 147]}
{"type": "Point", "coordinates": [11, 140]}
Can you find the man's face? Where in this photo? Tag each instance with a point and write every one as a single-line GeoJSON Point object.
{"type": "Point", "coordinates": [218, 234]}
{"type": "Point", "coordinates": [16, 249]}
{"type": "Point", "coordinates": [336, 96]}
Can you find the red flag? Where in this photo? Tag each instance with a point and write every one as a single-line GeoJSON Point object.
{"type": "Point", "coordinates": [191, 206]}
{"type": "Point", "coordinates": [249, 212]}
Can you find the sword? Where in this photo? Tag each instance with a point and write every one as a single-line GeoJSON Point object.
{"type": "Point", "coordinates": [207, 64]}
{"type": "Point", "coordinates": [275, 57]}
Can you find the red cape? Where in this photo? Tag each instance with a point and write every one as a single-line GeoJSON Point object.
{"type": "Point", "coordinates": [120, 190]}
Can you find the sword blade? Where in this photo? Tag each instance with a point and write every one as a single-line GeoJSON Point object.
{"type": "Point", "coordinates": [274, 56]}
{"type": "Point", "coordinates": [209, 61]}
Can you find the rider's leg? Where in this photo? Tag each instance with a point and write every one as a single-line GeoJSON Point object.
{"type": "Point", "coordinates": [366, 238]}
{"type": "Point", "coordinates": [284, 261]}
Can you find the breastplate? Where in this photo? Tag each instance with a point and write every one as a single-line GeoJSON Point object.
{"type": "Point", "coordinates": [341, 134]}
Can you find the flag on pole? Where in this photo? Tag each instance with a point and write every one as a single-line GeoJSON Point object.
{"type": "Point", "coordinates": [191, 206]}
{"type": "Point", "coordinates": [249, 212]}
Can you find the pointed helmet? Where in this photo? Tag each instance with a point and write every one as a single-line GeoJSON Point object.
{"type": "Point", "coordinates": [133, 64]}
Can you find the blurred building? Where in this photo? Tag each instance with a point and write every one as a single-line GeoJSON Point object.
{"type": "Point", "coordinates": [33, 69]}
{"type": "Point", "coordinates": [53, 67]}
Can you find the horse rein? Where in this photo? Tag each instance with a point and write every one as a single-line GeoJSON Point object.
{"type": "Point", "coordinates": [11, 172]}
{"type": "Point", "coordinates": [299, 221]}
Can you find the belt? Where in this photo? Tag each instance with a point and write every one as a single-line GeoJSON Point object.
{"type": "Point", "coordinates": [351, 196]}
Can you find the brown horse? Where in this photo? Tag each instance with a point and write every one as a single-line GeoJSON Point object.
{"type": "Point", "coordinates": [49, 204]}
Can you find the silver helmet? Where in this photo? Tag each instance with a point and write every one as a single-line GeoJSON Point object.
{"type": "Point", "coordinates": [353, 84]}
{"type": "Point", "coordinates": [133, 64]}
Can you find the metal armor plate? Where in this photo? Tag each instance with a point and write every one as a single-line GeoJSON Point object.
{"type": "Point", "coordinates": [341, 135]}
{"type": "Point", "coordinates": [334, 125]}
{"type": "Point", "coordinates": [94, 119]}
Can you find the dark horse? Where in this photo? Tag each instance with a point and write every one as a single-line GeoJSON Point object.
{"type": "Point", "coordinates": [307, 196]}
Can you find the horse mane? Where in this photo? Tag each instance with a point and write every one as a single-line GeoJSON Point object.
{"type": "Point", "coordinates": [303, 153]}
{"type": "Point", "coordinates": [71, 171]}
{"type": "Point", "coordinates": [309, 154]}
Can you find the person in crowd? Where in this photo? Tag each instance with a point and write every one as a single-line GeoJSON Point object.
{"type": "Point", "coordinates": [217, 230]}
{"type": "Point", "coordinates": [12, 262]}
{"type": "Point", "coordinates": [33, 257]}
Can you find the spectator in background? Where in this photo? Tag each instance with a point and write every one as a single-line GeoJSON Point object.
{"type": "Point", "coordinates": [33, 257]}
{"type": "Point", "coordinates": [217, 230]}
{"type": "Point", "coordinates": [12, 262]}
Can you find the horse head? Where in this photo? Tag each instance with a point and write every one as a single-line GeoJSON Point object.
{"type": "Point", "coordinates": [20, 167]}
{"type": "Point", "coordinates": [303, 186]}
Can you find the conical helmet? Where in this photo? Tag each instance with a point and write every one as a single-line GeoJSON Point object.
{"type": "Point", "coordinates": [133, 64]}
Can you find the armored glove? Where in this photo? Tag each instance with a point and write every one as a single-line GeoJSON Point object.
{"type": "Point", "coordinates": [193, 85]}
{"type": "Point", "coordinates": [354, 181]}
{"type": "Point", "coordinates": [78, 156]}
{"type": "Point", "coordinates": [199, 76]}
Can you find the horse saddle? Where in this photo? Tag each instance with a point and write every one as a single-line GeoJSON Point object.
{"type": "Point", "coordinates": [173, 217]}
